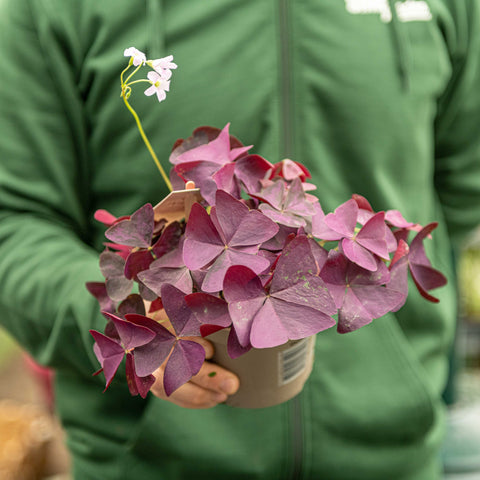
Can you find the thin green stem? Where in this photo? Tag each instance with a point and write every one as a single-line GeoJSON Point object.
{"type": "Point", "coordinates": [132, 74]}
{"type": "Point", "coordinates": [140, 80]}
{"type": "Point", "coordinates": [146, 141]}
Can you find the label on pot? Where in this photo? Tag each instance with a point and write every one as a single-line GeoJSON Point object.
{"type": "Point", "coordinates": [293, 361]}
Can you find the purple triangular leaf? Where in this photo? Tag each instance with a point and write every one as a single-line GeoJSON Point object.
{"type": "Point", "coordinates": [245, 295]}
{"type": "Point", "coordinates": [109, 354]}
{"type": "Point", "coordinates": [202, 241]}
{"type": "Point", "coordinates": [137, 262]}
{"type": "Point", "coordinates": [209, 309]}
{"type": "Point", "coordinates": [279, 321]}
{"type": "Point", "coordinates": [234, 348]}
{"type": "Point", "coordinates": [132, 304]}
{"type": "Point", "coordinates": [131, 335]}
{"type": "Point", "coordinates": [358, 254]}
{"type": "Point", "coordinates": [213, 281]}
{"type": "Point", "coordinates": [372, 236]}
{"type": "Point", "coordinates": [136, 384]}
{"type": "Point", "coordinates": [136, 231]}
{"type": "Point", "coordinates": [99, 291]}
{"type": "Point", "coordinates": [344, 219]}
{"type": "Point", "coordinates": [181, 317]}
{"type": "Point", "coordinates": [184, 362]}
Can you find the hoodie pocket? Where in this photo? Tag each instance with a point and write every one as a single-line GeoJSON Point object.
{"type": "Point", "coordinates": [373, 409]}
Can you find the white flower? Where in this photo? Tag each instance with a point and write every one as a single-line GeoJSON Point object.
{"type": "Point", "coordinates": [164, 66]}
{"type": "Point", "coordinates": [139, 57]}
{"type": "Point", "coordinates": [160, 85]}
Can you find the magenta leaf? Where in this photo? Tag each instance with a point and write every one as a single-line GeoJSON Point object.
{"type": "Point", "coordinates": [250, 170]}
{"type": "Point", "coordinates": [109, 354]}
{"type": "Point", "coordinates": [217, 151]}
{"type": "Point", "coordinates": [234, 348]}
{"type": "Point", "coordinates": [184, 362]}
{"type": "Point", "coordinates": [245, 295]}
{"type": "Point", "coordinates": [136, 231]}
{"type": "Point", "coordinates": [150, 356]}
{"type": "Point", "coordinates": [202, 241]}
{"type": "Point", "coordinates": [289, 170]}
{"type": "Point", "coordinates": [344, 219]}
{"type": "Point", "coordinates": [318, 228]}
{"type": "Point", "coordinates": [372, 236]}
{"type": "Point", "coordinates": [286, 205]}
{"type": "Point", "coordinates": [203, 174]}
{"type": "Point", "coordinates": [157, 276]}
{"type": "Point", "coordinates": [131, 335]}
{"type": "Point", "coordinates": [105, 217]}
{"type": "Point", "coordinates": [137, 385]}
{"type": "Point", "coordinates": [137, 262]}
{"type": "Point", "coordinates": [132, 304]}
{"type": "Point", "coordinates": [360, 294]}
{"type": "Point", "coordinates": [183, 320]}
{"type": "Point", "coordinates": [169, 268]}
{"type": "Point", "coordinates": [208, 309]}
{"type": "Point", "coordinates": [99, 291]}
{"type": "Point", "coordinates": [298, 304]}
{"type": "Point", "coordinates": [231, 236]}
{"type": "Point", "coordinates": [424, 275]}
{"type": "Point", "coordinates": [168, 240]}
{"type": "Point", "coordinates": [112, 267]}
{"type": "Point", "coordinates": [362, 247]}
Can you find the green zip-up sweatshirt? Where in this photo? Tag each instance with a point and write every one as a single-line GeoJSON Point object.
{"type": "Point", "coordinates": [379, 98]}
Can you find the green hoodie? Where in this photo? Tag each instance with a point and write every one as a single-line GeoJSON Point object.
{"type": "Point", "coordinates": [379, 98]}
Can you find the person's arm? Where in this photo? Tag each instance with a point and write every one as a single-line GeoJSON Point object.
{"type": "Point", "coordinates": [457, 134]}
{"type": "Point", "coordinates": [45, 259]}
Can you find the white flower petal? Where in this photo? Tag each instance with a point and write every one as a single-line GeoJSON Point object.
{"type": "Point", "coordinates": [150, 90]}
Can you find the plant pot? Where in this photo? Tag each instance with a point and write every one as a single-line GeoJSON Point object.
{"type": "Point", "coordinates": [268, 376]}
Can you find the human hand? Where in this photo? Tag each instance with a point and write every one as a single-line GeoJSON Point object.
{"type": "Point", "coordinates": [208, 388]}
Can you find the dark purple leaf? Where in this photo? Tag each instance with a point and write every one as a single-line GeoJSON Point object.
{"type": "Point", "coordinates": [208, 309]}
{"type": "Point", "coordinates": [202, 241]}
{"type": "Point", "coordinates": [184, 362]}
{"type": "Point", "coordinates": [109, 353]}
{"type": "Point", "coordinates": [250, 169]}
{"type": "Point", "coordinates": [132, 304]}
{"type": "Point", "coordinates": [136, 384]}
{"type": "Point", "coordinates": [137, 231]}
{"type": "Point", "coordinates": [181, 317]}
{"type": "Point", "coordinates": [287, 206]}
{"type": "Point", "coordinates": [112, 267]}
{"type": "Point", "coordinates": [137, 262]}
{"type": "Point", "coordinates": [298, 304]}
{"type": "Point", "coordinates": [99, 291]}
{"type": "Point", "coordinates": [424, 275]}
{"type": "Point", "coordinates": [216, 151]}
{"type": "Point", "coordinates": [360, 294]}
{"type": "Point", "coordinates": [231, 236]}
{"type": "Point", "coordinates": [131, 335]}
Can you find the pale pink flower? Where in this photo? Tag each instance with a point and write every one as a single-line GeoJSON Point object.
{"type": "Point", "coordinates": [139, 57]}
{"type": "Point", "coordinates": [159, 86]}
{"type": "Point", "coordinates": [164, 66]}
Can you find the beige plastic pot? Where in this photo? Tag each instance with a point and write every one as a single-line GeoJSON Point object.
{"type": "Point", "coordinates": [268, 376]}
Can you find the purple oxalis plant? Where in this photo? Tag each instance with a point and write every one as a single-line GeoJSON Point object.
{"type": "Point", "coordinates": [257, 256]}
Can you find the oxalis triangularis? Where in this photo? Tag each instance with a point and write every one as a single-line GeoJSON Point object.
{"type": "Point", "coordinates": [257, 255]}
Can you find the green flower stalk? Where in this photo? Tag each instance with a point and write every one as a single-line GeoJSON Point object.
{"type": "Point", "coordinates": [159, 83]}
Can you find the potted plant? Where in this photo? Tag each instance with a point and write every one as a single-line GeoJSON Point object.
{"type": "Point", "coordinates": [243, 253]}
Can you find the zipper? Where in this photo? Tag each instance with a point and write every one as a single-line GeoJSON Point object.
{"type": "Point", "coordinates": [286, 82]}
{"type": "Point", "coordinates": [287, 151]}
{"type": "Point", "coordinates": [296, 428]}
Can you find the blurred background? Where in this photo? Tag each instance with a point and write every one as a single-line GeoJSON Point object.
{"type": "Point", "coordinates": [32, 442]}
